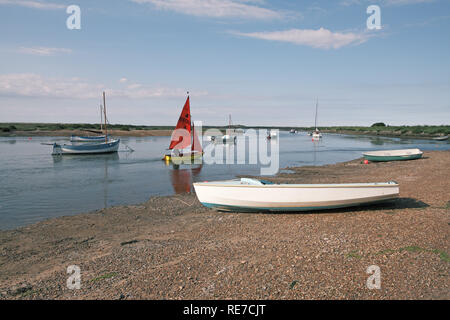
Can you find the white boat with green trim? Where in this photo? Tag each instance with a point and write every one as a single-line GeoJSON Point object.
{"type": "Point", "coordinates": [258, 195]}
{"type": "Point", "coordinates": [393, 155]}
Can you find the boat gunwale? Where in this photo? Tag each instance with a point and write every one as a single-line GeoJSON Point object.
{"type": "Point", "coordinates": [89, 144]}
{"type": "Point", "coordinates": [296, 186]}
{"type": "Point", "coordinates": [378, 153]}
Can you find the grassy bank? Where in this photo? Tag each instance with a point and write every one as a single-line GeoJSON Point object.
{"type": "Point", "coordinates": [399, 131]}
{"type": "Point", "coordinates": [29, 127]}
{"type": "Point", "coordinates": [424, 131]}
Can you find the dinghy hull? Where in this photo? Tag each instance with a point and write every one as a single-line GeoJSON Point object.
{"type": "Point", "coordinates": [392, 158]}
{"type": "Point", "coordinates": [393, 155]}
{"type": "Point", "coordinates": [88, 148]}
{"type": "Point", "coordinates": [184, 158]}
{"type": "Point", "coordinates": [227, 196]}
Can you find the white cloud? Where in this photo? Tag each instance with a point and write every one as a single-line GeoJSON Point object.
{"type": "Point", "coordinates": [34, 85]}
{"type": "Point", "coordinates": [321, 38]}
{"type": "Point", "coordinates": [33, 4]}
{"type": "Point", "coordinates": [44, 51]}
{"type": "Point", "coordinates": [123, 80]}
{"type": "Point", "coordinates": [385, 2]}
{"type": "Point", "coordinates": [216, 8]}
{"type": "Point", "coordinates": [405, 2]}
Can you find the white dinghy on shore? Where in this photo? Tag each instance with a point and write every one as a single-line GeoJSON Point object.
{"type": "Point", "coordinates": [259, 195]}
{"type": "Point", "coordinates": [393, 155]}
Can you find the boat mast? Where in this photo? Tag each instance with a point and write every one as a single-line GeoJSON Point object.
{"type": "Point", "coordinates": [192, 126]}
{"type": "Point", "coordinates": [104, 111]}
{"type": "Point", "coordinates": [315, 121]}
{"type": "Point", "coordinates": [101, 118]}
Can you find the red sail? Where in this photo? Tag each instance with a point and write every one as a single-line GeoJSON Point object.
{"type": "Point", "coordinates": [196, 146]}
{"type": "Point", "coordinates": [184, 122]}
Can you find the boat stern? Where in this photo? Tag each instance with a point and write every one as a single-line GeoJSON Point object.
{"type": "Point", "coordinates": [56, 149]}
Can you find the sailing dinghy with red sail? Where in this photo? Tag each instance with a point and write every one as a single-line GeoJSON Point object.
{"type": "Point", "coordinates": [184, 145]}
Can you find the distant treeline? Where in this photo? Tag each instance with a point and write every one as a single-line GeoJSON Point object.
{"type": "Point", "coordinates": [19, 126]}
{"type": "Point", "coordinates": [392, 130]}
{"type": "Point", "coordinates": [10, 127]}
{"type": "Point", "coordinates": [377, 128]}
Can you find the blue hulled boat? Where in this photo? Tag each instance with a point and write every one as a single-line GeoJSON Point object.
{"type": "Point", "coordinates": [87, 148]}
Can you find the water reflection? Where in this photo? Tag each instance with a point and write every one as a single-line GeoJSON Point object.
{"type": "Point", "coordinates": [182, 178]}
{"type": "Point", "coordinates": [74, 158]}
{"type": "Point", "coordinates": [316, 145]}
{"type": "Point", "coordinates": [99, 166]}
{"type": "Point", "coordinates": [377, 141]}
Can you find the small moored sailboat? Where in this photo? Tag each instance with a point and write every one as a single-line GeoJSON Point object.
{"type": "Point", "coordinates": [259, 195]}
{"type": "Point", "coordinates": [87, 148]}
{"type": "Point", "coordinates": [102, 146]}
{"type": "Point", "coordinates": [316, 135]}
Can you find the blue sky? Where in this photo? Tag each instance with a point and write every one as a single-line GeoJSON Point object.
{"type": "Point", "coordinates": [263, 61]}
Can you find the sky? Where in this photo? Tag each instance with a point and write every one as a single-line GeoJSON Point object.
{"type": "Point", "coordinates": [265, 62]}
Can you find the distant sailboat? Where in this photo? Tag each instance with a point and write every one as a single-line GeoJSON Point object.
{"type": "Point", "coordinates": [316, 134]}
{"type": "Point", "coordinates": [180, 142]}
{"type": "Point", "coordinates": [272, 134]}
{"type": "Point", "coordinates": [230, 136]}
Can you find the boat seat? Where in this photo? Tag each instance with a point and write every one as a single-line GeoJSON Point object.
{"type": "Point", "coordinates": [252, 182]}
{"type": "Point", "coordinates": [255, 182]}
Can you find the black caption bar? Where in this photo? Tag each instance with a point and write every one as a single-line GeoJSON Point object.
{"type": "Point", "coordinates": [207, 309]}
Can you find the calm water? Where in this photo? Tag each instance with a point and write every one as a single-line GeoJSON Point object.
{"type": "Point", "coordinates": [35, 185]}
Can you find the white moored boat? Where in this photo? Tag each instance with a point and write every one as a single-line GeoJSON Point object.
{"type": "Point", "coordinates": [259, 195]}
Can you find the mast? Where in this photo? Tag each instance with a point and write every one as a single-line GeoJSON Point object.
{"type": "Point", "coordinates": [104, 111]}
{"type": "Point", "coordinates": [101, 118]}
{"type": "Point", "coordinates": [315, 121]}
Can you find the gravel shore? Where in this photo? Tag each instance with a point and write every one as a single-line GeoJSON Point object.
{"type": "Point", "coordinates": [173, 248]}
